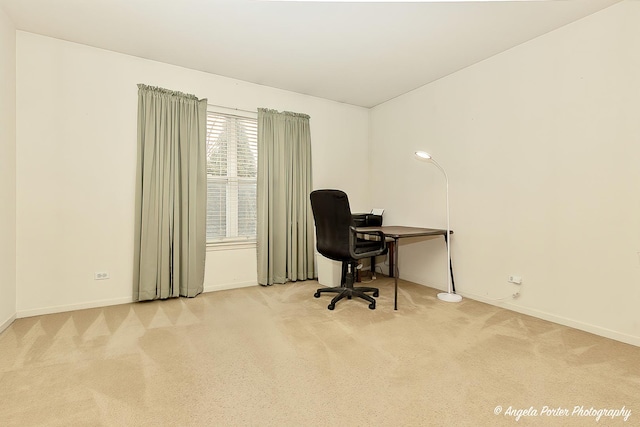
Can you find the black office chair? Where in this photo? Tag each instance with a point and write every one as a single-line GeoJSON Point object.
{"type": "Point", "coordinates": [337, 240]}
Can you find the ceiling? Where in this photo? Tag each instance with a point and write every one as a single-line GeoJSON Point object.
{"type": "Point", "coordinates": [357, 53]}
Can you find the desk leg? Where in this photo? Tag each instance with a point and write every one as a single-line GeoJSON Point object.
{"type": "Point", "coordinates": [396, 273]}
{"type": "Point", "coordinates": [453, 284]}
{"type": "Point", "coordinates": [392, 250]}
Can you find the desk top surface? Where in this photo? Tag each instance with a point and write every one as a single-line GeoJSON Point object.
{"type": "Point", "coordinates": [398, 231]}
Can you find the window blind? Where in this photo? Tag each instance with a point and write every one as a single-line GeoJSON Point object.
{"type": "Point", "coordinates": [232, 161]}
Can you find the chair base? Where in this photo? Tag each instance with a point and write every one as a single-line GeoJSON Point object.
{"type": "Point", "coordinates": [349, 291]}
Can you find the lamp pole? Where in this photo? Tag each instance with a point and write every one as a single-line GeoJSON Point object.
{"type": "Point", "coordinates": [448, 296]}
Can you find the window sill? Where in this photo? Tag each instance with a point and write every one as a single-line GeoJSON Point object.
{"type": "Point", "coordinates": [231, 245]}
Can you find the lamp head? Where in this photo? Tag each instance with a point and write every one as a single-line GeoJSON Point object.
{"type": "Point", "coordinates": [423, 155]}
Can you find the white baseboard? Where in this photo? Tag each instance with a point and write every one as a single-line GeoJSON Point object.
{"type": "Point", "coordinates": [73, 307]}
{"type": "Point", "coordinates": [225, 286]}
{"type": "Point", "coordinates": [4, 325]}
{"type": "Point", "coordinates": [565, 321]}
{"type": "Point", "coordinates": [105, 303]}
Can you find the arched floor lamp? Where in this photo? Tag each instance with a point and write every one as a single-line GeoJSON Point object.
{"type": "Point", "coordinates": [448, 296]}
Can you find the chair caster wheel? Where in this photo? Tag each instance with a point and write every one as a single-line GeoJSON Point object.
{"type": "Point", "coordinates": [372, 306]}
{"type": "Point", "coordinates": [348, 296]}
{"type": "Point", "coordinates": [376, 294]}
{"type": "Point", "coordinates": [331, 306]}
{"type": "Point", "coordinates": [317, 295]}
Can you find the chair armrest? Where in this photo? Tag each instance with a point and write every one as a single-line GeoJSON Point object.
{"type": "Point", "coordinates": [353, 238]}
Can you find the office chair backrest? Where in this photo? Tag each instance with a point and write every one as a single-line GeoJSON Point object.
{"type": "Point", "coordinates": [332, 215]}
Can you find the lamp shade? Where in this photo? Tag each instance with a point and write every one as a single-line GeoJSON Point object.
{"type": "Point", "coordinates": [422, 155]}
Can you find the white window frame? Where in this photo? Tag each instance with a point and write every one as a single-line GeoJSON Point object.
{"type": "Point", "coordinates": [232, 209]}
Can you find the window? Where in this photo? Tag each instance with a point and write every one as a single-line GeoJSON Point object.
{"type": "Point", "coordinates": [232, 162]}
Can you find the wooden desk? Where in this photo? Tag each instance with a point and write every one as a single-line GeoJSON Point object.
{"type": "Point", "coordinates": [397, 232]}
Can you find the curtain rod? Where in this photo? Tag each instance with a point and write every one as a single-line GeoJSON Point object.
{"type": "Point", "coordinates": [231, 108]}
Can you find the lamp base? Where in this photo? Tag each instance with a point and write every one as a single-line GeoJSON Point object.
{"type": "Point", "coordinates": [445, 296]}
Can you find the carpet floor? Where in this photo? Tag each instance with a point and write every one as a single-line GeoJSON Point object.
{"type": "Point", "coordinates": [276, 356]}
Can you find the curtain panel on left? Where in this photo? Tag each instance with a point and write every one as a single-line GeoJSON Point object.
{"type": "Point", "coordinates": [171, 195]}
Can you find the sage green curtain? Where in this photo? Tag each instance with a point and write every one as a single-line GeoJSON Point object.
{"type": "Point", "coordinates": [171, 194]}
{"type": "Point", "coordinates": [285, 221]}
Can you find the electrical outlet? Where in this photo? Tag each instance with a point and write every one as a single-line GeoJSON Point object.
{"type": "Point", "coordinates": [101, 275]}
{"type": "Point", "coordinates": [516, 280]}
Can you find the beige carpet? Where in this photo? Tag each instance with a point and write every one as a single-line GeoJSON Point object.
{"type": "Point", "coordinates": [277, 357]}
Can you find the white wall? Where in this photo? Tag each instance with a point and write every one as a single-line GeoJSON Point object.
{"type": "Point", "coordinates": [7, 171]}
{"type": "Point", "coordinates": [542, 147]}
{"type": "Point", "coordinates": [76, 156]}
